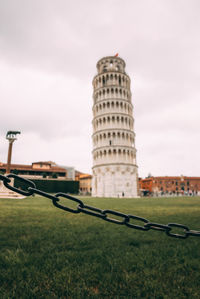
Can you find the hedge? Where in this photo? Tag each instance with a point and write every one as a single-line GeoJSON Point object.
{"type": "Point", "coordinates": [52, 186]}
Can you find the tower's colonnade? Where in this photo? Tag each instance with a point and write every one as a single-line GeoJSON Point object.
{"type": "Point", "coordinates": [114, 153]}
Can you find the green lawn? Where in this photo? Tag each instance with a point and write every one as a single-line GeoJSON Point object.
{"type": "Point", "coordinates": [49, 253]}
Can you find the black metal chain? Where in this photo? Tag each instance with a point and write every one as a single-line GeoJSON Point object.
{"type": "Point", "coordinates": [103, 214]}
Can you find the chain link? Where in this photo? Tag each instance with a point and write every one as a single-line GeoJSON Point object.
{"type": "Point", "coordinates": [93, 211]}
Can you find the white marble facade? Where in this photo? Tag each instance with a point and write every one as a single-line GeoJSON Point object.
{"type": "Point", "coordinates": [114, 153]}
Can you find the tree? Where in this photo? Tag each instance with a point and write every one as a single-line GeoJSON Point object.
{"type": "Point", "coordinates": [15, 171]}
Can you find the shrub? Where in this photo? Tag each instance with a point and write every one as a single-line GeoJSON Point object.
{"type": "Point", "coordinates": [15, 171]}
{"type": "Point", "coordinates": [54, 175]}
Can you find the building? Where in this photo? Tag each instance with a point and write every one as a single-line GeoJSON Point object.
{"type": "Point", "coordinates": [70, 172]}
{"type": "Point", "coordinates": [85, 183]}
{"type": "Point", "coordinates": [170, 185]}
{"type": "Point", "coordinates": [37, 170]}
{"type": "Point", "coordinates": [115, 173]}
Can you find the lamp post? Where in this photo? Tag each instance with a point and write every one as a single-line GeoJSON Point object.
{"type": "Point", "coordinates": [11, 137]}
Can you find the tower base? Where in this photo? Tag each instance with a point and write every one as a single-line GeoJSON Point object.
{"type": "Point", "coordinates": [115, 181]}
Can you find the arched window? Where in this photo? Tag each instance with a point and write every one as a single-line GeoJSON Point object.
{"type": "Point", "coordinates": [118, 67]}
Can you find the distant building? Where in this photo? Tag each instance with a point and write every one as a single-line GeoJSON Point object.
{"type": "Point", "coordinates": [37, 170]}
{"type": "Point", "coordinates": [70, 172]}
{"type": "Point", "coordinates": [85, 183]}
{"type": "Point", "coordinates": [170, 185]}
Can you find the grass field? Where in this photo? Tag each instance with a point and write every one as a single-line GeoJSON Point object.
{"type": "Point", "coordinates": [49, 253]}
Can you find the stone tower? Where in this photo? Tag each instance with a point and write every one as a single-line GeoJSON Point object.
{"type": "Point", "coordinates": [114, 153]}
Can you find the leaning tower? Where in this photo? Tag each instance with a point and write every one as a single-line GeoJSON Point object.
{"type": "Point", "coordinates": [114, 153]}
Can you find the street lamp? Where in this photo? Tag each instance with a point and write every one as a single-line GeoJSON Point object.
{"type": "Point", "coordinates": [11, 137]}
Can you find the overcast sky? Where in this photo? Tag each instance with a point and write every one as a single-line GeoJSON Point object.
{"type": "Point", "coordinates": [48, 55]}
